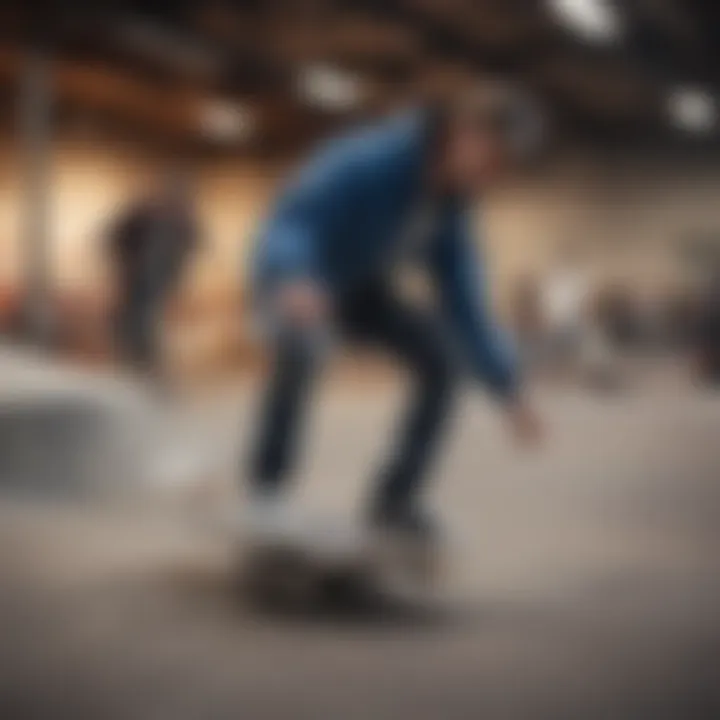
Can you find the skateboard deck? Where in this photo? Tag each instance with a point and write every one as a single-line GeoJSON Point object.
{"type": "Point", "coordinates": [314, 563]}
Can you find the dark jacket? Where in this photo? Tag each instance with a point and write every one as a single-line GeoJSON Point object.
{"type": "Point", "coordinates": [150, 246]}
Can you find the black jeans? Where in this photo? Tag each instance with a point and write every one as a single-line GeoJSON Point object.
{"type": "Point", "coordinates": [137, 326]}
{"type": "Point", "coordinates": [372, 315]}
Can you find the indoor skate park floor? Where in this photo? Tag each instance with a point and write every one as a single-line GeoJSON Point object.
{"type": "Point", "coordinates": [582, 578]}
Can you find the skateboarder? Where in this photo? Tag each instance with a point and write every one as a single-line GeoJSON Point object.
{"type": "Point", "coordinates": [326, 267]}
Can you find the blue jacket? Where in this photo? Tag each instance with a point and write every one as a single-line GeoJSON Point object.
{"type": "Point", "coordinates": [339, 220]}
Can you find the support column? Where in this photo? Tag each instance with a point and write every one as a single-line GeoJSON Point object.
{"type": "Point", "coordinates": [35, 131]}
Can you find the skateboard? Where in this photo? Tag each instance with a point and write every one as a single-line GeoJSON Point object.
{"type": "Point", "coordinates": [317, 563]}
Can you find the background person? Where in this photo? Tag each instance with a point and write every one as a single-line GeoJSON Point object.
{"type": "Point", "coordinates": [151, 243]}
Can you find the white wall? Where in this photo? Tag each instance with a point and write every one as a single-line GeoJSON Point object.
{"type": "Point", "coordinates": [629, 216]}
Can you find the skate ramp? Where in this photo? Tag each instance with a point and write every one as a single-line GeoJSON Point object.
{"type": "Point", "coordinates": [65, 432]}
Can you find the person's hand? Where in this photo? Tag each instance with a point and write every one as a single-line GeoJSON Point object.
{"type": "Point", "coordinates": [303, 302]}
{"type": "Point", "coordinates": [526, 426]}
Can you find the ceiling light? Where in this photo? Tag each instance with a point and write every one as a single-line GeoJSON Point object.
{"type": "Point", "coordinates": [226, 122]}
{"type": "Point", "coordinates": [692, 110]}
{"type": "Point", "coordinates": [329, 88]}
{"type": "Point", "coordinates": [595, 20]}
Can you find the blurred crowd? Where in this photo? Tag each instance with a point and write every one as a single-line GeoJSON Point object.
{"type": "Point", "coordinates": [571, 326]}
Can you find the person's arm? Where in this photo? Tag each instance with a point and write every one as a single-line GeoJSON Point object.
{"type": "Point", "coordinates": [465, 300]}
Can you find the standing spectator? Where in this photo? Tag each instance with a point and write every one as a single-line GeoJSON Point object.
{"type": "Point", "coordinates": [565, 298]}
{"type": "Point", "coordinates": [151, 243]}
{"type": "Point", "coordinates": [528, 320]}
{"type": "Point", "coordinates": [708, 333]}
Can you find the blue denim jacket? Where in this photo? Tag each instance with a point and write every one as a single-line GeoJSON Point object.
{"type": "Point", "coordinates": [340, 219]}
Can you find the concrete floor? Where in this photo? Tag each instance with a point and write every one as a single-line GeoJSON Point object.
{"type": "Point", "coordinates": [583, 580]}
